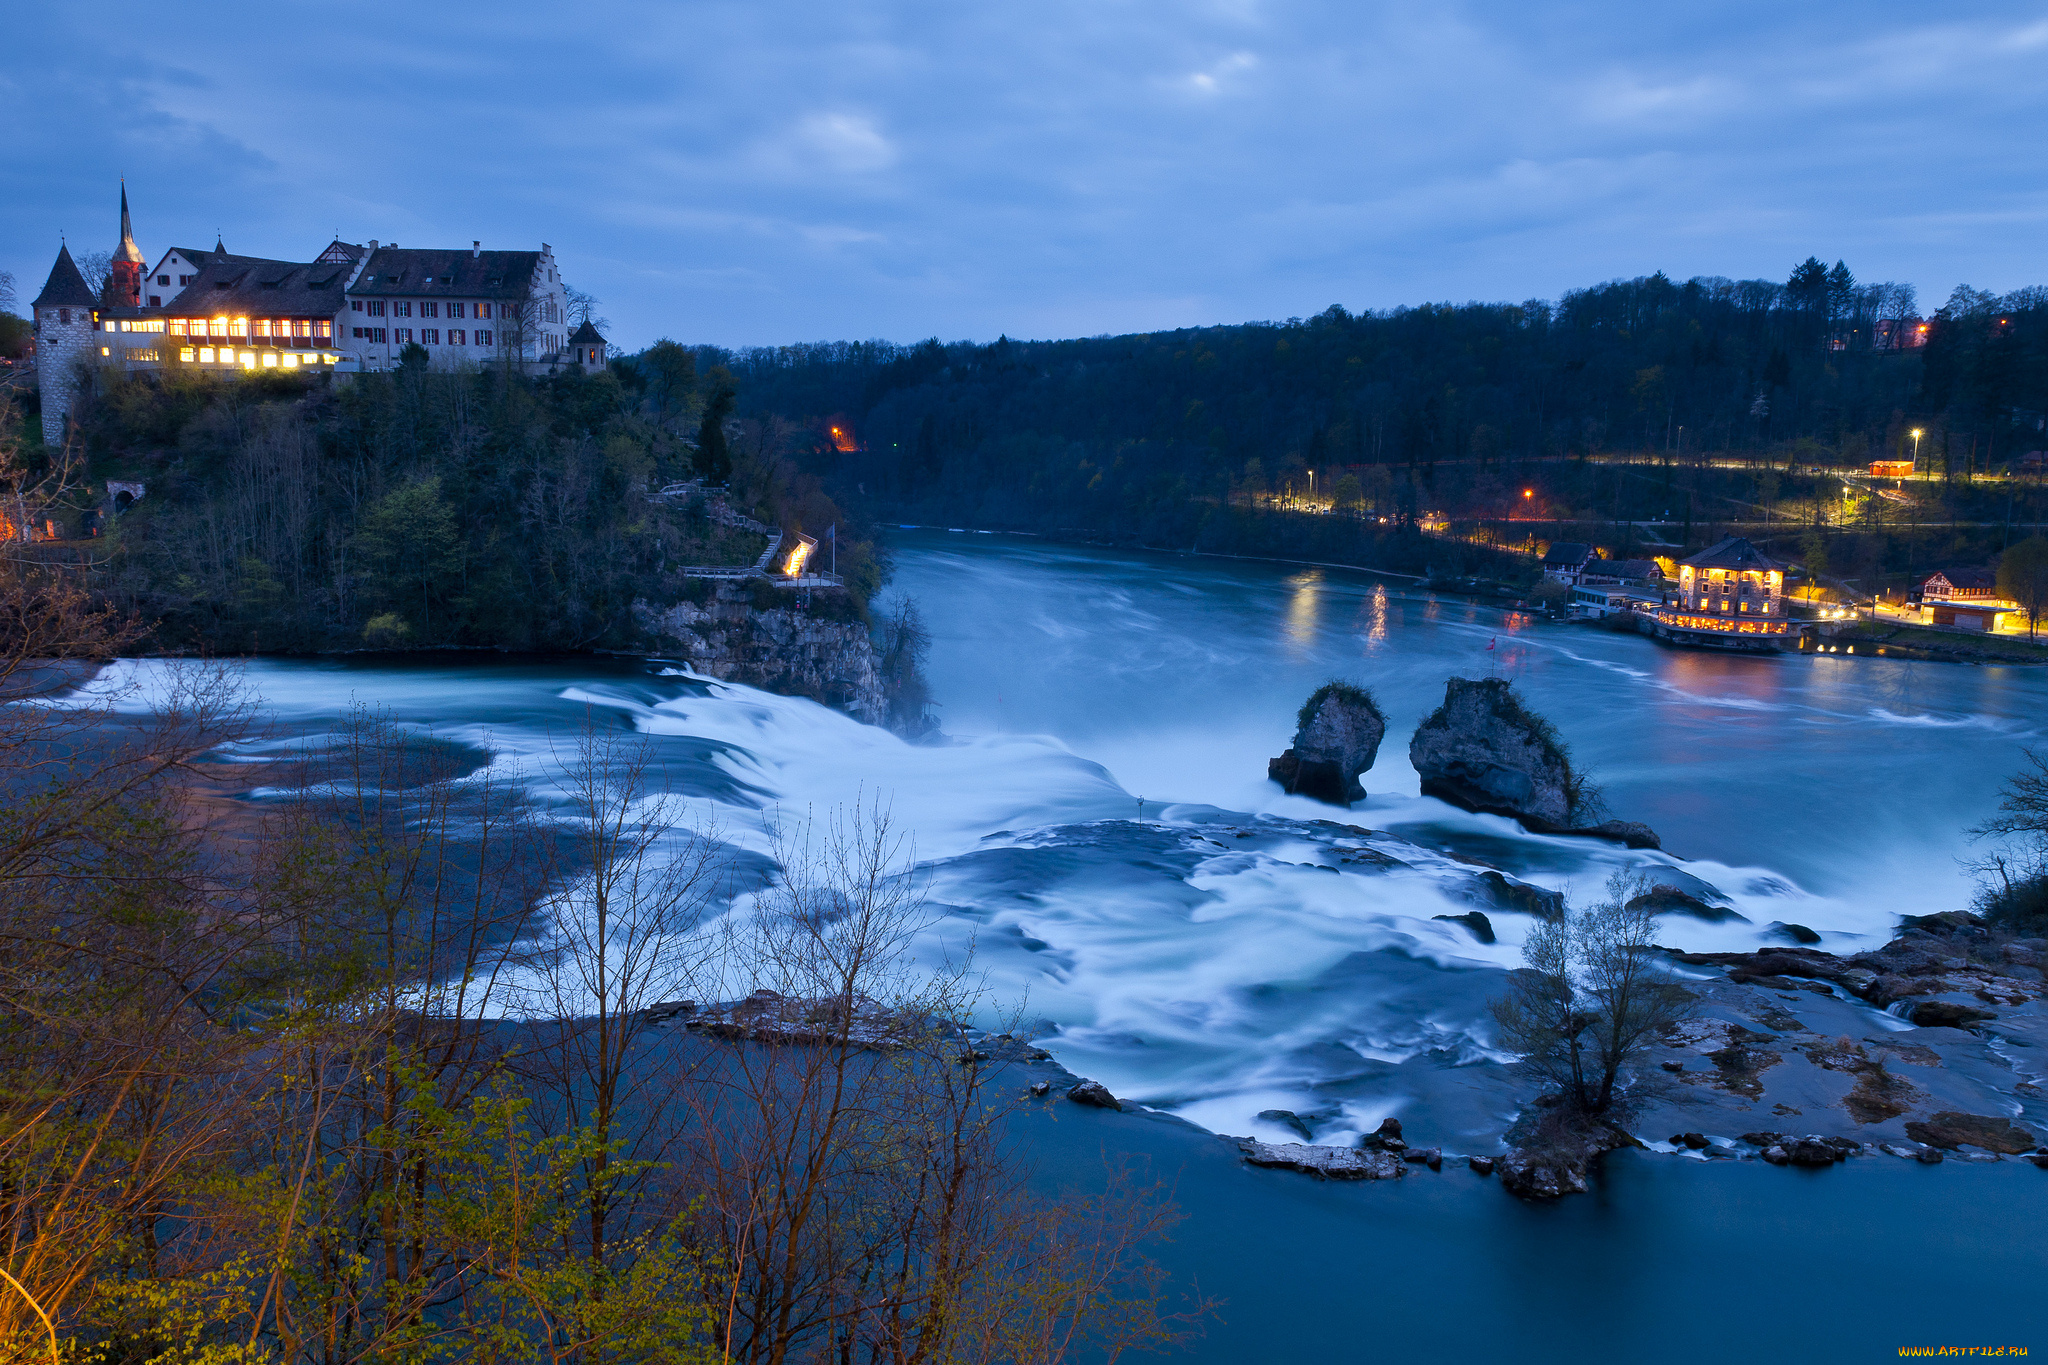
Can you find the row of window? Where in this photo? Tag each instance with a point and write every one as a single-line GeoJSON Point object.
{"type": "Point", "coordinates": [270, 360]}
{"type": "Point", "coordinates": [402, 308]}
{"type": "Point", "coordinates": [279, 329]}
{"type": "Point", "coordinates": [429, 336]}
{"type": "Point", "coordinates": [182, 279]}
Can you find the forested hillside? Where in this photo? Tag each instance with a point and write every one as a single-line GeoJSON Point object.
{"type": "Point", "coordinates": [418, 509]}
{"type": "Point", "coordinates": [1189, 438]}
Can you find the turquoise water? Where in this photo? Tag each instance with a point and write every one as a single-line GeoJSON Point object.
{"type": "Point", "coordinates": [1213, 977]}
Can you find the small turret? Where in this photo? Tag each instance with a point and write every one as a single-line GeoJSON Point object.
{"type": "Point", "coordinates": [588, 348]}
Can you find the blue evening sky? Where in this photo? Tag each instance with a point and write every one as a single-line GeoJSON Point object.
{"type": "Point", "coordinates": [759, 171]}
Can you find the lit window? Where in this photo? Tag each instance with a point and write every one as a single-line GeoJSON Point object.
{"type": "Point", "coordinates": [455, 336]}
{"type": "Point", "coordinates": [239, 327]}
{"type": "Point", "coordinates": [105, 351]}
{"type": "Point", "coordinates": [270, 360]}
{"type": "Point", "coordinates": [291, 362]}
{"type": "Point", "coordinates": [248, 360]}
{"type": "Point", "coordinates": [323, 329]}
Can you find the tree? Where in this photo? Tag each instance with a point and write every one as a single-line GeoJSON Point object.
{"type": "Point", "coordinates": [1841, 293]}
{"type": "Point", "coordinates": [2023, 578]}
{"type": "Point", "coordinates": [1808, 287]}
{"type": "Point", "coordinates": [713, 460]}
{"type": "Point", "coordinates": [412, 537]}
{"type": "Point", "coordinates": [1591, 996]}
{"type": "Point", "coordinates": [671, 378]}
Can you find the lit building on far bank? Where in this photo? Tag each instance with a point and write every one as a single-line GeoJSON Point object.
{"type": "Point", "coordinates": [352, 309]}
{"type": "Point", "coordinates": [1730, 596]}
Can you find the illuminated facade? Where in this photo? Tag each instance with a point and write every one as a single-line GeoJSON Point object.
{"type": "Point", "coordinates": [1730, 596]}
{"type": "Point", "coordinates": [354, 308]}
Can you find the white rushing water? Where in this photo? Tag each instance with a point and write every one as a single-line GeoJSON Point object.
{"type": "Point", "coordinates": [1217, 975]}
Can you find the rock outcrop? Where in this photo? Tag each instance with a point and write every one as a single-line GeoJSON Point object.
{"type": "Point", "coordinates": [1485, 751]}
{"type": "Point", "coordinates": [1951, 1130]}
{"type": "Point", "coordinates": [1337, 737]}
{"type": "Point", "coordinates": [1331, 1163]}
{"type": "Point", "coordinates": [751, 632]}
{"type": "Point", "coordinates": [1094, 1095]}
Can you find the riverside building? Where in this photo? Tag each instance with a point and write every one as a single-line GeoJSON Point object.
{"type": "Point", "coordinates": [352, 309]}
{"type": "Point", "coordinates": [1730, 596]}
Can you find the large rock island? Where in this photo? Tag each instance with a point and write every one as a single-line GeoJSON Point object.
{"type": "Point", "coordinates": [1337, 737]}
{"type": "Point", "coordinates": [1485, 750]}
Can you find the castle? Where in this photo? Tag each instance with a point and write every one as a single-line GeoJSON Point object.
{"type": "Point", "coordinates": [352, 309]}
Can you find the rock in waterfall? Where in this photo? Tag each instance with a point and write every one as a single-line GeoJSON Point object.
{"type": "Point", "coordinates": [1337, 737]}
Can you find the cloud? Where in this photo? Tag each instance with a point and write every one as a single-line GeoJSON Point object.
{"type": "Point", "coordinates": [753, 171]}
{"type": "Point", "coordinates": [842, 143]}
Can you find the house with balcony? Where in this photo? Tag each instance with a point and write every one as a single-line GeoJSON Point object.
{"type": "Point", "coordinates": [1729, 596]}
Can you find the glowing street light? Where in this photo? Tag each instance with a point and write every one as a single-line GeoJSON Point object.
{"type": "Point", "coordinates": [1916, 447]}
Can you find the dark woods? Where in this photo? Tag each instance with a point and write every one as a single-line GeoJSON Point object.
{"type": "Point", "coordinates": [423, 509]}
{"type": "Point", "coordinates": [1199, 438]}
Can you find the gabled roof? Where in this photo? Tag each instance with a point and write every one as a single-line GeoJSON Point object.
{"type": "Point", "coordinates": [242, 287]}
{"type": "Point", "coordinates": [1733, 552]}
{"type": "Point", "coordinates": [201, 256]}
{"type": "Point", "coordinates": [586, 335]}
{"type": "Point", "coordinates": [454, 274]}
{"type": "Point", "coordinates": [65, 288]}
{"type": "Point", "coordinates": [1625, 568]}
{"type": "Point", "coordinates": [1567, 553]}
{"type": "Point", "coordinates": [1966, 578]}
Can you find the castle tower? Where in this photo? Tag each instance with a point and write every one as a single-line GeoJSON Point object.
{"type": "Point", "coordinates": [64, 330]}
{"type": "Point", "coordinates": [124, 277]}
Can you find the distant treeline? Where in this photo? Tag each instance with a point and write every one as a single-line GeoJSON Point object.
{"type": "Point", "coordinates": [421, 508]}
{"type": "Point", "coordinates": [1160, 437]}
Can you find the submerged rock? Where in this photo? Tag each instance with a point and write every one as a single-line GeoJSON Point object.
{"type": "Point", "coordinates": [1479, 924]}
{"type": "Point", "coordinates": [1951, 1130]}
{"type": "Point", "coordinates": [1665, 899]}
{"type": "Point", "coordinates": [1337, 737]}
{"type": "Point", "coordinates": [1503, 893]}
{"type": "Point", "coordinates": [1094, 1094]}
{"type": "Point", "coordinates": [1481, 1165]}
{"type": "Point", "coordinates": [1793, 933]}
{"type": "Point", "coordinates": [1287, 1118]}
{"type": "Point", "coordinates": [1943, 1014]}
{"type": "Point", "coordinates": [1329, 1163]}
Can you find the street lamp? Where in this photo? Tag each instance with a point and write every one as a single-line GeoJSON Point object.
{"type": "Point", "coordinates": [1916, 449]}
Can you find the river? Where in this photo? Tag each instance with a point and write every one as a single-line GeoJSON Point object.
{"type": "Point", "coordinates": [1211, 956]}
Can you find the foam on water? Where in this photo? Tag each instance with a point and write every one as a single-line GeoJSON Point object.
{"type": "Point", "coordinates": [1220, 976]}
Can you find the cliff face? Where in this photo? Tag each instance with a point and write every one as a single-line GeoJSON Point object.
{"type": "Point", "coordinates": [777, 648]}
{"type": "Point", "coordinates": [1339, 736]}
{"type": "Point", "coordinates": [1483, 751]}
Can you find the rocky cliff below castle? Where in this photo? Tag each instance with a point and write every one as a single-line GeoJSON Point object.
{"type": "Point", "coordinates": [751, 632]}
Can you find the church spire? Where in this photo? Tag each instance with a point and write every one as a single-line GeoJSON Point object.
{"type": "Point", "coordinates": [128, 251]}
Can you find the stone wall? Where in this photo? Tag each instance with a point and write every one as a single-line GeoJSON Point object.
{"type": "Point", "coordinates": [62, 352]}
{"type": "Point", "coordinates": [778, 649]}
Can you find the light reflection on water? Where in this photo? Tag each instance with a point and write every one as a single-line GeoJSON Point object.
{"type": "Point", "coordinates": [1830, 792]}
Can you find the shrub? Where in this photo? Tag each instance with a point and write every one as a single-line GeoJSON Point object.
{"type": "Point", "coordinates": [1348, 692]}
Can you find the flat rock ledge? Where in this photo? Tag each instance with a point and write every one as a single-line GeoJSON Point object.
{"type": "Point", "coordinates": [1327, 1163]}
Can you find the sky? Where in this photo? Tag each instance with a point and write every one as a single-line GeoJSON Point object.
{"type": "Point", "coordinates": [756, 172]}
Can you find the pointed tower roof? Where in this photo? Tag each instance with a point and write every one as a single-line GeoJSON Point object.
{"type": "Point", "coordinates": [587, 335]}
{"type": "Point", "coordinates": [127, 251]}
{"type": "Point", "coordinates": [66, 287]}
